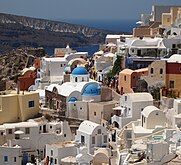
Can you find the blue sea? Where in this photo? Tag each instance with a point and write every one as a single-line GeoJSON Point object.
{"type": "Point", "coordinates": [113, 25]}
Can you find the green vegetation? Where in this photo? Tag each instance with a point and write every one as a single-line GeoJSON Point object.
{"type": "Point", "coordinates": [116, 68]}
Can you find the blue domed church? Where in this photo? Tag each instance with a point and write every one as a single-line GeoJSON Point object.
{"type": "Point", "coordinates": [78, 92]}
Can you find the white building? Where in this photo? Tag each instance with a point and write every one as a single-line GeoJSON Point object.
{"type": "Point", "coordinates": [131, 105]}
{"type": "Point", "coordinates": [52, 69]}
{"type": "Point", "coordinates": [57, 151]}
{"type": "Point", "coordinates": [32, 136]}
{"type": "Point", "coordinates": [145, 47]}
{"type": "Point", "coordinates": [92, 135]}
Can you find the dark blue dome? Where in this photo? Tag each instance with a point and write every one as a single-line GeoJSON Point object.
{"type": "Point", "coordinates": [72, 99]}
{"type": "Point", "coordinates": [91, 90]}
{"type": "Point", "coordinates": [79, 71]}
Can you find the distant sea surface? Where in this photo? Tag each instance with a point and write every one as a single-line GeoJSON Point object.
{"type": "Point", "coordinates": [113, 25]}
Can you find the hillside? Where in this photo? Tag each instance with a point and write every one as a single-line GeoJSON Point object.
{"type": "Point", "coordinates": [20, 31]}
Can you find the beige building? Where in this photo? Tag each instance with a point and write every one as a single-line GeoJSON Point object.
{"type": "Point", "coordinates": [169, 19]}
{"type": "Point", "coordinates": [101, 110]}
{"type": "Point", "coordinates": [18, 107]}
{"type": "Point", "coordinates": [156, 73]}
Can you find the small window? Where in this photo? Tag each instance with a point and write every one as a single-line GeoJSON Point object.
{"type": "Point", "coordinates": [27, 130]}
{"type": "Point", "coordinates": [55, 161]}
{"type": "Point", "coordinates": [125, 98]}
{"type": "Point", "coordinates": [156, 114]}
{"type": "Point", "coordinates": [65, 135]}
{"type": "Point", "coordinates": [50, 127]}
{"type": "Point", "coordinates": [105, 138]}
{"type": "Point", "coordinates": [60, 65]}
{"type": "Point", "coordinates": [94, 113]}
{"type": "Point", "coordinates": [124, 78]}
{"type": "Point", "coordinates": [40, 128]}
{"type": "Point", "coordinates": [5, 158]}
{"type": "Point", "coordinates": [74, 105]}
{"type": "Point", "coordinates": [10, 131]}
{"type": "Point", "coordinates": [14, 159]}
{"type": "Point", "coordinates": [1, 133]}
{"type": "Point", "coordinates": [51, 152]}
{"type": "Point", "coordinates": [80, 108]}
{"type": "Point", "coordinates": [93, 140]}
{"type": "Point", "coordinates": [82, 139]}
{"type": "Point", "coordinates": [99, 131]}
{"type": "Point", "coordinates": [171, 84]}
{"type": "Point", "coordinates": [75, 79]}
{"type": "Point", "coordinates": [141, 109]}
{"type": "Point", "coordinates": [161, 71]}
{"type": "Point", "coordinates": [31, 104]}
{"type": "Point", "coordinates": [151, 71]}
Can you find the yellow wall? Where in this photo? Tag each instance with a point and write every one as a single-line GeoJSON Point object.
{"type": "Point", "coordinates": [14, 107]}
{"type": "Point", "coordinates": [9, 109]}
{"type": "Point", "coordinates": [166, 19]}
{"type": "Point", "coordinates": [177, 80]}
{"type": "Point", "coordinates": [25, 111]}
{"type": "Point", "coordinates": [174, 11]}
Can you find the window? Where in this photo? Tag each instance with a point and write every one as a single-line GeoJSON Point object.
{"type": "Point", "coordinates": [105, 138]}
{"type": "Point", "coordinates": [51, 152]}
{"type": "Point", "coordinates": [80, 108]}
{"type": "Point", "coordinates": [55, 161]}
{"type": "Point", "coordinates": [93, 140]}
{"type": "Point", "coordinates": [17, 136]}
{"type": "Point", "coordinates": [1, 133]}
{"type": "Point", "coordinates": [125, 98]}
{"type": "Point", "coordinates": [10, 131]}
{"type": "Point", "coordinates": [151, 71]}
{"type": "Point", "coordinates": [161, 71]}
{"type": "Point", "coordinates": [82, 139]}
{"type": "Point", "coordinates": [65, 135]}
{"type": "Point", "coordinates": [156, 114]}
{"type": "Point", "coordinates": [14, 159]}
{"type": "Point", "coordinates": [5, 158]}
{"type": "Point", "coordinates": [50, 127]}
{"type": "Point", "coordinates": [60, 65]}
{"type": "Point", "coordinates": [124, 78]}
{"type": "Point", "coordinates": [27, 130]}
{"type": "Point", "coordinates": [171, 84]}
{"type": "Point", "coordinates": [40, 128]}
{"type": "Point", "coordinates": [94, 113]}
{"type": "Point", "coordinates": [75, 79]}
{"type": "Point", "coordinates": [99, 131]}
{"type": "Point", "coordinates": [141, 109]}
{"type": "Point", "coordinates": [31, 104]}
{"type": "Point", "coordinates": [168, 19]}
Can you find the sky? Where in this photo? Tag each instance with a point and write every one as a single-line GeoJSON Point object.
{"type": "Point", "coordinates": [82, 9]}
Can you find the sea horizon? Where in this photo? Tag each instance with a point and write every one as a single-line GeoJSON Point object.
{"type": "Point", "coordinates": [126, 25]}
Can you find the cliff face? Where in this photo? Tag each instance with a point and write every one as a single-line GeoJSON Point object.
{"type": "Point", "coordinates": [20, 31]}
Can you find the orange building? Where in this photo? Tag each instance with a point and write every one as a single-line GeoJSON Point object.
{"type": "Point", "coordinates": [128, 79]}
{"type": "Point", "coordinates": [27, 79]}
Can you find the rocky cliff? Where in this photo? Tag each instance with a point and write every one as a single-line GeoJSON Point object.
{"type": "Point", "coordinates": [20, 31]}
